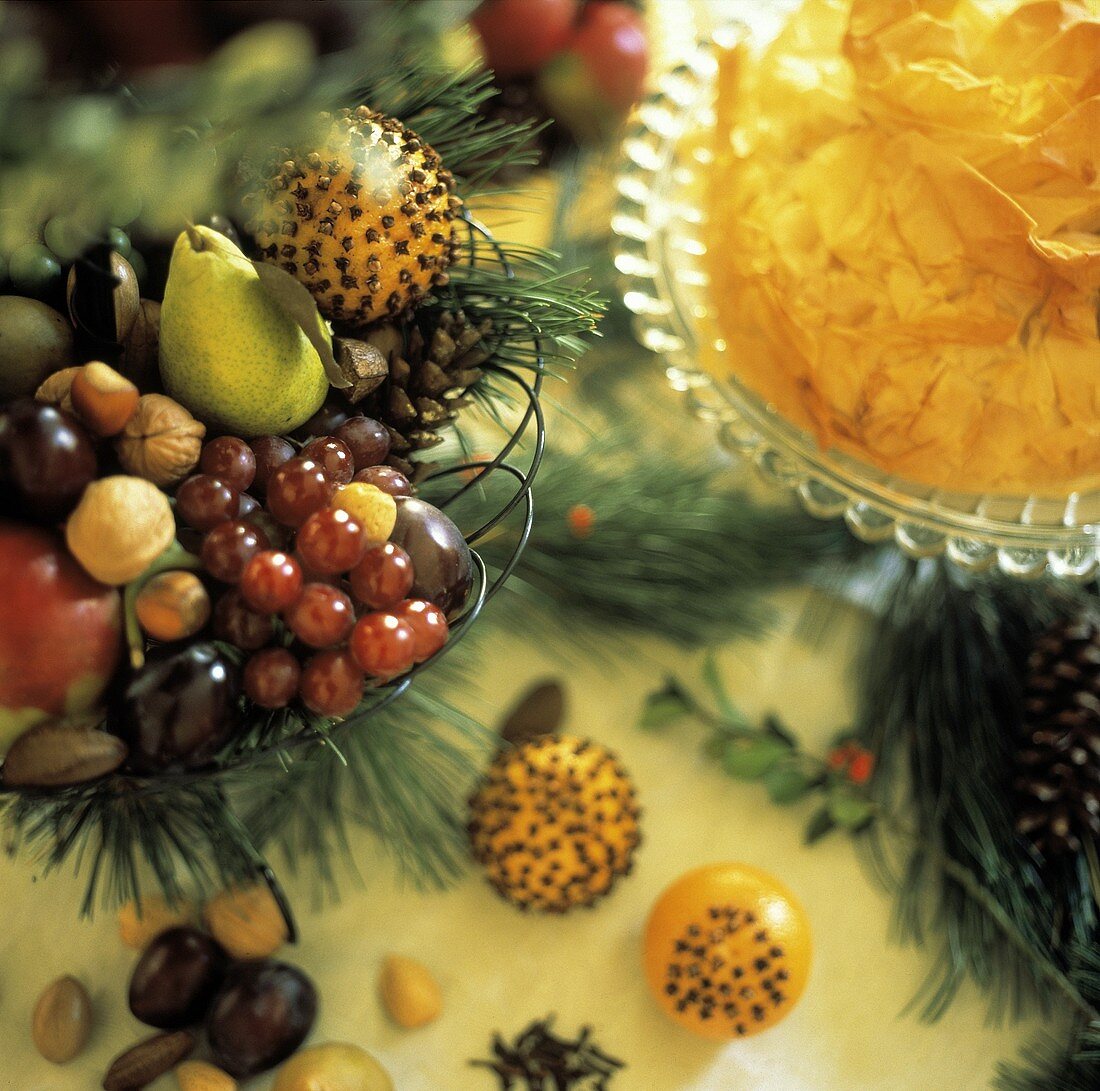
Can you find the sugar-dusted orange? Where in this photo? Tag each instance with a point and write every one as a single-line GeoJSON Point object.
{"type": "Point", "coordinates": [727, 951]}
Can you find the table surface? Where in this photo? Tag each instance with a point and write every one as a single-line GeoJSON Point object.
{"type": "Point", "coordinates": [500, 969]}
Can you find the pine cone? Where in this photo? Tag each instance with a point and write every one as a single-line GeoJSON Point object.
{"type": "Point", "coordinates": [1058, 765]}
{"type": "Point", "coordinates": [428, 380]}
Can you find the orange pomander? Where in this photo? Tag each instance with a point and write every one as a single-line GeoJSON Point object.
{"type": "Point", "coordinates": [555, 823]}
{"type": "Point", "coordinates": [365, 220]}
{"type": "Point", "coordinates": [727, 951]}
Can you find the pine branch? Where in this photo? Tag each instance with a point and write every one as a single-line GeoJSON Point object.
{"type": "Point", "coordinates": [671, 549]}
{"type": "Point", "coordinates": [941, 709]}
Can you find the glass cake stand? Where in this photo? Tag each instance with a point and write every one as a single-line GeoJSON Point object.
{"type": "Point", "coordinates": [660, 245]}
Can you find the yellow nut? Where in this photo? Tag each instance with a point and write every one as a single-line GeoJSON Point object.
{"type": "Point", "coordinates": [121, 525]}
{"type": "Point", "coordinates": [247, 922]}
{"type": "Point", "coordinates": [410, 993]}
{"type": "Point", "coordinates": [200, 1076]}
{"type": "Point", "coordinates": [156, 916]}
{"type": "Point", "coordinates": [334, 1066]}
{"type": "Point", "coordinates": [374, 510]}
{"type": "Point", "coordinates": [104, 399]}
{"type": "Point", "coordinates": [57, 389]}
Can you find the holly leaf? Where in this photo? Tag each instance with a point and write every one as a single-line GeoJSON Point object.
{"type": "Point", "coordinates": [775, 726]}
{"type": "Point", "coordinates": [750, 759]}
{"type": "Point", "coordinates": [293, 297]}
{"type": "Point", "coordinates": [853, 812]}
{"type": "Point", "coordinates": [786, 783]}
{"type": "Point", "coordinates": [821, 822]}
{"type": "Point", "coordinates": [664, 707]}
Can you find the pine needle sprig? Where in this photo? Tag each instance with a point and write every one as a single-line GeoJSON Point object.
{"type": "Point", "coordinates": [630, 538]}
{"type": "Point", "coordinates": [942, 711]}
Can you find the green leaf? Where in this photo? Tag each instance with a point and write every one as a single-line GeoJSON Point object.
{"type": "Point", "coordinates": [775, 726]}
{"type": "Point", "coordinates": [715, 747]}
{"type": "Point", "coordinates": [294, 298]}
{"type": "Point", "coordinates": [849, 810]}
{"type": "Point", "coordinates": [750, 760]}
{"type": "Point", "coordinates": [821, 822]}
{"type": "Point", "coordinates": [718, 689]}
{"type": "Point", "coordinates": [786, 783]}
{"type": "Point", "coordinates": [664, 707]}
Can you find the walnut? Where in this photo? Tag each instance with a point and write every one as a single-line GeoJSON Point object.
{"type": "Point", "coordinates": [57, 389]}
{"type": "Point", "coordinates": [162, 442]}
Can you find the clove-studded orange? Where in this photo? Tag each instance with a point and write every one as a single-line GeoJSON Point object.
{"type": "Point", "coordinates": [727, 951]}
{"type": "Point", "coordinates": [555, 823]}
{"type": "Point", "coordinates": [365, 220]}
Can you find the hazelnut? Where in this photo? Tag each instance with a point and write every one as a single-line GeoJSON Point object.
{"type": "Point", "coordinates": [162, 441]}
{"type": "Point", "coordinates": [121, 525]}
{"type": "Point", "coordinates": [104, 400]}
{"type": "Point", "coordinates": [247, 922]}
{"type": "Point", "coordinates": [138, 924]}
{"type": "Point", "coordinates": [172, 606]}
{"type": "Point", "coordinates": [57, 389]}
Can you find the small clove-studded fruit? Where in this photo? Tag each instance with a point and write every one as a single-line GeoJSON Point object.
{"type": "Point", "coordinates": [410, 993]}
{"type": "Point", "coordinates": [247, 921]}
{"type": "Point", "coordinates": [62, 1020]}
{"type": "Point", "coordinates": [104, 399]}
{"type": "Point", "coordinates": [147, 1061]}
{"type": "Point", "coordinates": [200, 1076]}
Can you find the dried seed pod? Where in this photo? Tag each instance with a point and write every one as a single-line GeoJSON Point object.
{"type": "Point", "coordinates": [409, 991]}
{"type": "Point", "coordinates": [62, 1020]}
{"type": "Point", "coordinates": [147, 1061]}
{"type": "Point", "coordinates": [247, 921]}
{"type": "Point", "coordinates": [362, 364]}
{"type": "Point", "coordinates": [55, 755]}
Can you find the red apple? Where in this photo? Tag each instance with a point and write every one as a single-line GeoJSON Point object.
{"type": "Point", "coordinates": [595, 80]}
{"type": "Point", "coordinates": [520, 36]}
{"type": "Point", "coordinates": [60, 631]}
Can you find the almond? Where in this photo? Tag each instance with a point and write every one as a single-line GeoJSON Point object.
{"type": "Point", "coordinates": [140, 924]}
{"type": "Point", "coordinates": [104, 399]}
{"type": "Point", "coordinates": [54, 755]}
{"type": "Point", "coordinates": [410, 993]}
{"type": "Point", "coordinates": [200, 1076]}
{"type": "Point", "coordinates": [140, 1065]}
{"type": "Point", "coordinates": [62, 1020]}
{"type": "Point", "coordinates": [247, 922]}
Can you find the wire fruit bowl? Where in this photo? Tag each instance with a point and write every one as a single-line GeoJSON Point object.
{"type": "Point", "coordinates": [660, 227]}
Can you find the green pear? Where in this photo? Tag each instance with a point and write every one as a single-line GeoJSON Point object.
{"type": "Point", "coordinates": [228, 351]}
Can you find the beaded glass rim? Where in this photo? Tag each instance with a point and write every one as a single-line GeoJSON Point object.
{"type": "Point", "coordinates": [660, 244]}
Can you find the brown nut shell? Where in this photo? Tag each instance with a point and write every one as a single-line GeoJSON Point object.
{"type": "Point", "coordinates": [147, 1061]}
{"type": "Point", "coordinates": [162, 441]}
{"type": "Point", "coordinates": [56, 755]}
{"type": "Point", "coordinates": [57, 389]}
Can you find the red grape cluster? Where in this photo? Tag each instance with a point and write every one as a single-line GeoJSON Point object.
{"type": "Point", "coordinates": [297, 566]}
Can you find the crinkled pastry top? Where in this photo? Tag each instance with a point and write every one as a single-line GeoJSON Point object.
{"type": "Point", "coordinates": [904, 219]}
